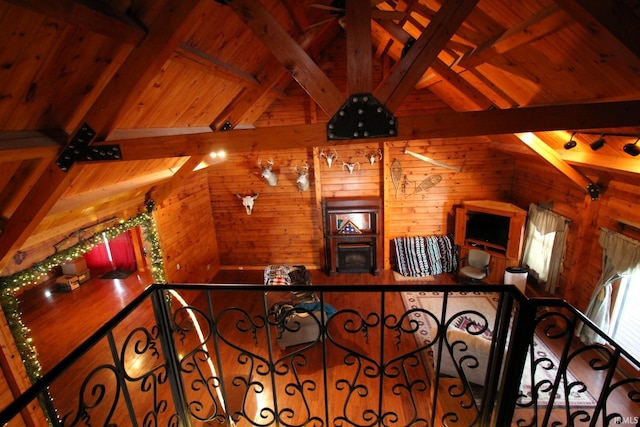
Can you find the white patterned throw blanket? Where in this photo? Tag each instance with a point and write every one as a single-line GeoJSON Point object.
{"type": "Point", "coordinates": [483, 308]}
{"type": "Point", "coordinates": [425, 256]}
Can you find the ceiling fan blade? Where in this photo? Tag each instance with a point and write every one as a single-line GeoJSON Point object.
{"type": "Point", "coordinates": [326, 7]}
{"type": "Point", "coordinates": [317, 24]}
{"type": "Point", "coordinates": [387, 14]}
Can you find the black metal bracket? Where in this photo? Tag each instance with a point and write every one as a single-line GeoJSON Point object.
{"type": "Point", "coordinates": [407, 46]}
{"type": "Point", "coordinates": [79, 150]}
{"type": "Point", "coordinates": [362, 116]}
{"type": "Point", "coordinates": [226, 126]}
{"type": "Point", "coordinates": [594, 191]}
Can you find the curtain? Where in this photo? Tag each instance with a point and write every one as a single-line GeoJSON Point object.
{"type": "Point", "coordinates": [122, 252]}
{"type": "Point", "coordinates": [122, 255]}
{"type": "Point", "coordinates": [545, 240]}
{"type": "Point", "coordinates": [620, 257]}
{"type": "Point", "coordinates": [98, 259]}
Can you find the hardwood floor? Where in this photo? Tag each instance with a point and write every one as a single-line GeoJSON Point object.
{"type": "Point", "coordinates": [60, 321]}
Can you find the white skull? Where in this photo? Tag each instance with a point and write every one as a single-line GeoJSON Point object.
{"type": "Point", "coordinates": [247, 202]}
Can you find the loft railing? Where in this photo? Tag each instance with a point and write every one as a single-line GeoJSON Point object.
{"type": "Point", "coordinates": [427, 355]}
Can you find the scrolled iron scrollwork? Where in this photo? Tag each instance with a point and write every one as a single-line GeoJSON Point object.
{"type": "Point", "coordinates": [142, 364]}
{"type": "Point", "coordinates": [92, 396]}
{"type": "Point", "coordinates": [196, 364]}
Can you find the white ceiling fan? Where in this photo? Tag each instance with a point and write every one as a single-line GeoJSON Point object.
{"type": "Point", "coordinates": [337, 9]}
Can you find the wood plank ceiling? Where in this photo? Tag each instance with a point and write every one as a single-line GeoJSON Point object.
{"type": "Point", "coordinates": [170, 81]}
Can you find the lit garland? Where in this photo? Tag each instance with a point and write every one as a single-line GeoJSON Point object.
{"type": "Point", "coordinates": [9, 285]}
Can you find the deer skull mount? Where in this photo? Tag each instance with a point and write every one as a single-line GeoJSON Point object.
{"type": "Point", "coordinates": [303, 177]}
{"type": "Point", "coordinates": [267, 172]}
{"type": "Point", "coordinates": [373, 155]}
{"type": "Point", "coordinates": [247, 202]}
{"type": "Point", "coordinates": [351, 166]}
{"type": "Point", "coordinates": [329, 157]}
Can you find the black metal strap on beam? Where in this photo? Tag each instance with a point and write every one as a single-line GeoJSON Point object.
{"type": "Point", "coordinates": [79, 150]}
{"type": "Point", "coordinates": [362, 116]}
{"type": "Point", "coordinates": [594, 191]}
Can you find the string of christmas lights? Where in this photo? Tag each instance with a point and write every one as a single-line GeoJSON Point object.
{"type": "Point", "coordinates": [9, 285]}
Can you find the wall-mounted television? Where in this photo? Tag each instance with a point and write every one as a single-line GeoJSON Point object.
{"type": "Point", "coordinates": [487, 228]}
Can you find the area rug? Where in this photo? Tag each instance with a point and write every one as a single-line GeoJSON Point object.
{"type": "Point", "coordinates": [400, 278]}
{"type": "Point", "coordinates": [116, 274]}
{"type": "Point", "coordinates": [484, 304]}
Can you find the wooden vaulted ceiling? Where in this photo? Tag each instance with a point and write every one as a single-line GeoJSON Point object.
{"type": "Point", "coordinates": [170, 81]}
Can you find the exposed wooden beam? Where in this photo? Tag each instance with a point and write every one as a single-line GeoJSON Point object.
{"type": "Point", "coordinates": [24, 145]}
{"type": "Point", "coordinates": [292, 56]}
{"type": "Point", "coordinates": [599, 161]}
{"type": "Point", "coordinates": [546, 22]}
{"type": "Point", "coordinates": [160, 193]}
{"type": "Point", "coordinates": [359, 65]}
{"type": "Point", "coordinates": [169, 29]}
{"type": "Point", "coordinates": [297, 11]}
{"type": "Point", "coordinates": [43, 195]}
{"type": "Point", "coordinates": [23, 180]}
{"type": "Point", "coordinates": [443, 125]}
{"type": "Point", "coordinates": [406, 73]}
{"type": "Point", "coordinates": [475, 98]}
{"type": "Point", "coordinates": [140, 67]}
{"type": "Point", "coordinates": [614, 15]}
{"type": "Point", "coordinates": [92, 15]}
{"type": "Point", "coordinates": [254, 100]}
{"type": "Point", "coordinates": [554, 159]}
{"type": "Point", "coordinates": [214, 65]}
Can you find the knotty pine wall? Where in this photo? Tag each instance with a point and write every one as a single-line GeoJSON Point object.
{"type": "Point", "coordinates": [285, 226]}
{"type": "Point", "coordinates": [536, 182]}
{"type": "Point", "coordinates": [187, 233]}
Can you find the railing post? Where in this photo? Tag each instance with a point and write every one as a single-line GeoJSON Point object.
{"type": "Point", "coordinates": [496, 358]}
{"type": "Point", "coordinates": [163, 320]}
{"type": "Point", "coordinates": [523, 329]}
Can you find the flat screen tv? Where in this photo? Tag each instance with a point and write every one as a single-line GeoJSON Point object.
{"type": "Point", "coordinates": [488, 228]}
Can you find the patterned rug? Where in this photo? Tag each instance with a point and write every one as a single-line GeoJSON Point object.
{"type": "Point", "coordinates": [400, 278]}
{"type": "Point", "coordinates": [484, 306]}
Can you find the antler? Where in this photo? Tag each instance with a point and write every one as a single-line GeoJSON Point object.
{"type": "Point", "coordinates": [302, 169]}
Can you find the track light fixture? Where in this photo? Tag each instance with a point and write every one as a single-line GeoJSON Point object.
{"type": "Point", "coordinates": [571, 143]}
{"type": "Point", "coordinates": [632, 149]}
{"type": "Point", "coordinates": [598, 143]}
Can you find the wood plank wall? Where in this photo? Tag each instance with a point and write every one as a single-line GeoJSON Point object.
{"type": "Point", "coordinates": [187, 233]}
{"type": "Point", "coordinates": [484, 175]}
{"type": "Point", "coordinates": [536, 182]}
{"type": "Point", "coordinates": [285, 226]}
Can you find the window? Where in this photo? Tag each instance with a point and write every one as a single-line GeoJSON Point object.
{"type": "Point", "coordinates": [544, 244]}
{"type": "Point", "coordinates": [625, 316]}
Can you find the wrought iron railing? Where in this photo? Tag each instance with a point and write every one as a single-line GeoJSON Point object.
{"type": "Point", "coordinates": [388, 355]}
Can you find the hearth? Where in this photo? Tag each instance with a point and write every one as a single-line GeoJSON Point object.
{"type": "Point", "coordinates": [355, 258]}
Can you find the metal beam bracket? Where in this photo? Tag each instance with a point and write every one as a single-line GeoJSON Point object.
{"type": "Point", "coordinates": [362, 116]}
{"type": "Point", "coordinates": [594, 191]}
{"type": "Point", "coordinates": [79, 150]}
